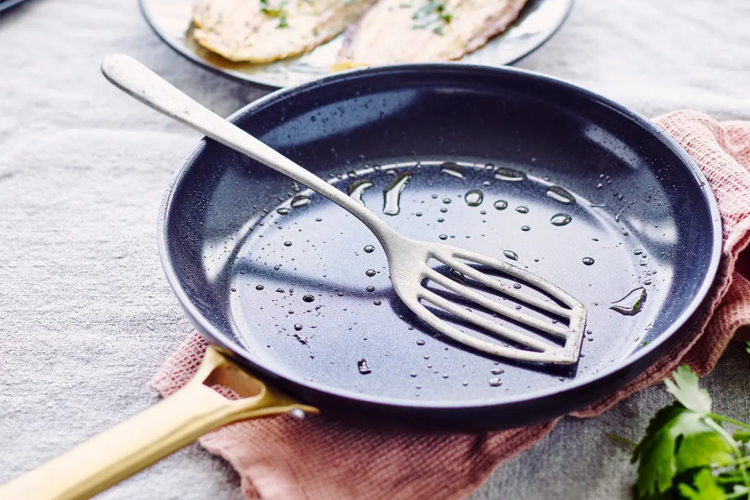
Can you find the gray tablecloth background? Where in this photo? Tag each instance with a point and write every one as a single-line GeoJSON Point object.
{"type": "Point", "coordinates": [86, 316]}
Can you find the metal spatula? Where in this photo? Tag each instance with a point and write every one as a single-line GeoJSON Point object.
{"type": "Point", "coordinates": [407, 258]}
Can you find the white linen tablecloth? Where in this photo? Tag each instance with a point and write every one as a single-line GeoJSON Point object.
{"type": "Point", "coordinates": [86, 316]}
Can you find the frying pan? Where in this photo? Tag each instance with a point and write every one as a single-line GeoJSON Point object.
{"type": "Point", "coordinates": [286, 287]}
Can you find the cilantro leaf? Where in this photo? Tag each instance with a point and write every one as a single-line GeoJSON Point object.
{"type": "Point", "coordinates": [742, 436]}
{"type": "Point", "coordinates": [706, 487]}
{"type": "Point", "coordinates": [748, 346]}
{"type": "Point", "coordinates": [677, 439]}
{"type": "Point", "coordinates": [686, 390]}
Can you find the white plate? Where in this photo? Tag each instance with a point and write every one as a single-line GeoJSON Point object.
{"type": "Point", "coordinates": [171, 20]}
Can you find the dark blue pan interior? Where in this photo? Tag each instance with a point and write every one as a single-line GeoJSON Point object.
{"type": "Point", "coordinates": [288, 292]}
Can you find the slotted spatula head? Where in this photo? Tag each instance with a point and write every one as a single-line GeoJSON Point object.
{"type": "Point", "coordinates": [524, 333]}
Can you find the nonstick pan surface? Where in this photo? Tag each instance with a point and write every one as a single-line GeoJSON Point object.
{"type": "Point", "coordinates": [284, 278]}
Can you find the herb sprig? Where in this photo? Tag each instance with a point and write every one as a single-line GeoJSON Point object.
{"type": "Point", "coordinates": [432, 15]}
{"type": "Point", "coordinates": [277, 11]}
{"type": "Point", "coordinates": [688, 451]}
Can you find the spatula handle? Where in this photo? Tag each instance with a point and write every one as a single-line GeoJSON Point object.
{"type": "Point", "coordinates": [140, 82]}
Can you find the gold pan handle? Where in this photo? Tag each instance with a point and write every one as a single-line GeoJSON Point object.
{"type": "Point", "coordinates": [151, 435]}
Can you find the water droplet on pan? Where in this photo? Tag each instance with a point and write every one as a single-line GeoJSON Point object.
{"type": "Point", "coordinates": [522, 209]}
{"type": "Point", "coordinates": [392, 194]}
{"type": "Point", "coordinates": [362, 366]}
{"type": "Point", "coordinates": [509, 175]}
{"type": "Point", "coordinates": [500, 204]}
{"type": "Point", "coordinates": [300, 201]}
{"type": "Point", "coordinates": [509, 254]}
{"type": "Point", "coordinates": [452, 169]}
{"type": "Point", "coordinates": [474, 198]}
{"type": "Point", "coordinates": [357, 189]}
{"type": "Point", "coordinates": [561, 219]}
{"type": "Point", "coordinates": [496, 382]}
{"type": "Point", "coordinates": [560, 195]}
{"type": "Point", "coordinates": [632, 303]}
{"type": "Point", "coordinates": [457, 276]}
{"type": "Point", "coordinates": [588, 261]}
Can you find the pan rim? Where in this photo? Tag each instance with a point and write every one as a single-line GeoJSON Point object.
{"type": "Point", "coordinates": [650, 351]}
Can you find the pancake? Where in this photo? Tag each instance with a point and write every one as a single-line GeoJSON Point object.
{"type": "Point", "coordinates": [263, 31]}
{"type": "Point", "coordinates": [400, 31]}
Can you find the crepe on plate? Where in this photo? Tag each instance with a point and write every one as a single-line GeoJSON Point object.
{"type": "Point", "coordinates": [396, 31]}
{"type": "Point", "coordinates": [263, 31]}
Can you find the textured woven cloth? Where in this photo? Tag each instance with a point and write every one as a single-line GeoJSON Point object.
{"type": "Point", "coordinates": [284, 458]}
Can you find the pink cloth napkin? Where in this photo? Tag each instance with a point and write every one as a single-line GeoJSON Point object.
{"type": "Point", "coordinates": [283, 458]}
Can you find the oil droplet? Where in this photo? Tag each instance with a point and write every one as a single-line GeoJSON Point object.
{"type": "Point", "coordinates": [497, 371]}
{"type": "Point", "coordinates": [300, 201]}
{"type": "Point", "coordinates": [588, 261]}
{"type": "Point", "coordinates": [420, 342]}
{"type": "Point", "coordinates": [509, 175]}
{"type": "Point", "coordinates": [413, 374]}
{"type": "Point", "coordinates": [259, 287]}
{"type": "Point", "coordinates": [500, 204]}
{"type": "Point", "coordinates": [561, 219]}
{"type": "Point", "coordinates": [441, 219]}
{"type": "Point", "coordinates": [464, 383]}
{"type": "Point", "coordinates": [452, 169]}
{"type": "Point", "coordinates": [362, 366]}
{"type": "Point", "coordinates": [447, 201]}
{"type": "Point", "coordinates": [509, 254]}
{"type": "Point", "coordinates": [282, 211]}
{"type": "Point", "coordinates": [457, 276]}
{"type": "Point", "coordinates": [445, 375]}
{"type": "Point", "coordinates": [370, 288]}
{"type": "Point", "coordinates": [496, 382]}
{"type": "Point", "coordinates": [443, 236]}
{"type": "Point", "coordinates": [522, 209]}
{"type": "Point", "coordinates": [560, 195]}
{"type": "Point", "coordinates": [377, 302]}
{"type": "Point", "coordinates": [370, 272]}
{"type": "Point", "coordinates": [298, 327]}
{"type": "Point", "coordinates": [287, 243]}
{"type": "Point", "coordinates": [631, 304]}
{"type": "Point", "coordinates": [357, 189]}
{"type": "Point", "coordinates": [474, 198]}
{"type": "Point", "coordinates": [525, 228]}
{"type": "Point", "coordinates": [392, 194]}
{"type": "Point", "coordinates": [443, 210]}
{"type": "Point", "coordinates": [369, 249]}
{"type": "Point", "coordinates": [308, 298]}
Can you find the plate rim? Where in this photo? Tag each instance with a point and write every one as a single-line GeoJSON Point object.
{"type": "Point", "coordinates": [240, 77]}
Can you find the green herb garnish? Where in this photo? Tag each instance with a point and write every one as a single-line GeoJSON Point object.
{"type": "Point", "coordinates": [431, 14]}
{"type": "Point", "coordinates": [687, 453]}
